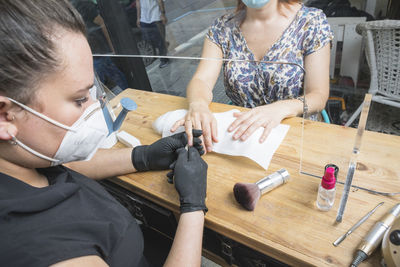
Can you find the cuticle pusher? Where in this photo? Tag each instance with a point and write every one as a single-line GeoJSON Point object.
{"type": "Point", "coordinates": [356, 225]}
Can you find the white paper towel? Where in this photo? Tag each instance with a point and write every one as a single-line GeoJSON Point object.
{"type": "Point", "coordinates": [251, 148]}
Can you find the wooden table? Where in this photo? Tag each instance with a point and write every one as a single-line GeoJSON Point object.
{"type": "Point", "coordinates": [286, 224]}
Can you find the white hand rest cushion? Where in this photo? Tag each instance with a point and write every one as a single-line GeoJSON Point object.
{"type": "Point", "coordinates": [251, 148]}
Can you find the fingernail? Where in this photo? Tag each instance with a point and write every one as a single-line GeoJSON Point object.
{"type": "Point", "coordinates": [230, 129]}
{"type": "Point", "coordinates": [209, 149]}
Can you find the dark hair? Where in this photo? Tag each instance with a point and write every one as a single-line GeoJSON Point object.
{"type": "Point", "coordinates": [27, 49]}
{"type": "Point", "coordinates": [242, 6]}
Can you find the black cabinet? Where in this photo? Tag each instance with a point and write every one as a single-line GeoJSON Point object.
{"type": "Point", "coordinates": [162, 222]}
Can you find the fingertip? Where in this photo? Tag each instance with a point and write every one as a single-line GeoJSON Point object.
{"type": "Point", "coordinates": [197, 132]}
{"type": "Point", "coordinates": [215, 136]}
{"type": "Point", "coordinates": [197, 142]}
{"type": "Point", "coordinates": [170, 174]}
{"type": "Point", "coordinates": [172, 165]}
{"type": "Point", "coordinates": [265, 135]}
{"type": "Point", "coordinates": [235, 136]}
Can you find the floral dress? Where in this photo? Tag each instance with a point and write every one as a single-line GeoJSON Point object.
{"type": "Point", "coordinates": [250, 83]}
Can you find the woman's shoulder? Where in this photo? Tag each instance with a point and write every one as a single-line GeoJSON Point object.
{"type": "Point", "coordinates": [312, 13]}
{"type": "Point", "coordinates": [226, 21]}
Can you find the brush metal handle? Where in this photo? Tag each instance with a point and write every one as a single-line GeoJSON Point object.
{"type": "Point", "coordinates": [273, 180]}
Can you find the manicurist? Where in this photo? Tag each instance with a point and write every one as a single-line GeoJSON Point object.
{"type": "Point", "coordinates": [51, 215]}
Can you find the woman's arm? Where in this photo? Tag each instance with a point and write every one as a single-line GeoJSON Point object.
{"type": "Point", "coordinates": [85, 261]}
{"type": "Point", "coordinates": [99, 21]}
{"type": "Point", "coordinates": [105, 163]}
{"type": "Point", "coordinates": [162, 10]}
{"type": "Point", "coordinates": [199, 96]}
{"type": "Point", "coordinates": [138, 13]}
{"type": "Point", "coordinates": [269, 116]}
{"type": "Point", "coordinates": [190, 169]}
{"type": "Point", "coordinates": [201, 86]}
{"type": "Point", "coordinates": [317, 79]}
{"type": "Point", "coordinates": [157, 156]}
{"type": "Point", "coordinates": [187, 245]}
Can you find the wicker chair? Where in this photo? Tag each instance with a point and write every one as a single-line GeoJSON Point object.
{"type": "Point", "coordinates": [383, 55]}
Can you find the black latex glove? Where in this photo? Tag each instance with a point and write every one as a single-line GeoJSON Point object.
{"type": "Point", "coordinates": [190, 178]}
{"type": "Point", "coordinates": [161, 154]}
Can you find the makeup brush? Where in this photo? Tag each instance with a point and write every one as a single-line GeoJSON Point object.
{"type": "Point", "coordinates": [248, 194]}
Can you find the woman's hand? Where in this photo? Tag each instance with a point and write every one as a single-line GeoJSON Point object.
{"type": "Point", "coordinates": [162, 153]}
{"type": "Point", "coordinates": [200, 117]}
{"type": "Point", "coordinates": [246, 123]}
{"type": "Point", "coordinates": [164, 19]}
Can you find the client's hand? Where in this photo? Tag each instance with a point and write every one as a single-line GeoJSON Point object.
{"type": "Point", "coordinates": [199, 116]}
{"type": "Point", "coordinates": [268, 117]}
{"type": "Point", "coordinates": [190, 178]}
{"type": "Point", "coordinates": [161, 154]}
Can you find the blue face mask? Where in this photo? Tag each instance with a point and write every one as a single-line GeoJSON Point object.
{"type": "Point", "coordinates": [255, 3]}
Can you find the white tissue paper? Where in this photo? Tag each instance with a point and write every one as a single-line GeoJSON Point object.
{"type": "Point", "coordinates": [251, 148]}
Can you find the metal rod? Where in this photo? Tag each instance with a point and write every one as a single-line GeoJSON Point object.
{"type": "Point", "coordinates": [203, 58]}
{"type": "Point", "coordinates": [356, 225]}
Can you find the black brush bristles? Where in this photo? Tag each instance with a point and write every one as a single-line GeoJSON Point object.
{"type": "Point", "coordinates": [247, 195]}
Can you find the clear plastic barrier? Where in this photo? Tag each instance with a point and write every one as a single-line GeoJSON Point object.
{"type": "Point", "coordinates": [163, 57]}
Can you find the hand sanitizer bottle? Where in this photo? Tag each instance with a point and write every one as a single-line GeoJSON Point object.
{"type": "Point", "coordinates": [327, 190]}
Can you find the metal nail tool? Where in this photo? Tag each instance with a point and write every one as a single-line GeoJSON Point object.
{"type": "Point", "coordinates": [356, 225]}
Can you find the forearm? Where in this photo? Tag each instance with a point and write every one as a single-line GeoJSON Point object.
{"type": "Point", "coordinates": [199, 92]}
{"type": "Point", "coordinates": [317, 79]}
{"type": "Point", "coordinates": [294, 107]}
{"type": "Point", "coordinates": [99, 21]}
{"type": "Point", "coordinates": [138, 9]}
{"type": "Point", "coordinates": [161, 5]}
{"type": "Point", "coordinates": [316, 101]}
{"type": "Point", "coordinates": [187, 245]}
{"type": "Point", "coordinates": [105, 163]}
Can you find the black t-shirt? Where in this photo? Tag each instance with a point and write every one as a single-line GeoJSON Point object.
{"type": "Point", "coordinates": [72, 217]}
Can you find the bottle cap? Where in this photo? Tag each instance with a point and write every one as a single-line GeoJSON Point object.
{"type": "Point", "coordinates": [329, 180]}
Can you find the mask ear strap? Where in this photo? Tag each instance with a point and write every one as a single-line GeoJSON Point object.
{"type": "Point", "coordinates": [15, 141]}
{"type": "Point", "coordinates": [41, 115]}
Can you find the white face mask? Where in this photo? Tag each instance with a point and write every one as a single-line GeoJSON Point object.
{"type": "Point", "coordinates": [82, 139]}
